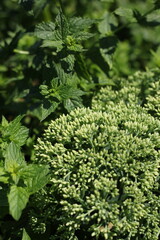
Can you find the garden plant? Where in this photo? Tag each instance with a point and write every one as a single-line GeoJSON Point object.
{"type": "Point", "coordinates": [80, 120]}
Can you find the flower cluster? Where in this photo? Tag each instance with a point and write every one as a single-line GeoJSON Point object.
{"type": "Point", "coordinates": [104, 173]}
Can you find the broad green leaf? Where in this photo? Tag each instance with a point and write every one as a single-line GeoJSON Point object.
{"type": "Point", "coordinates": [17, 198]}
{"type": "Point", "coordinates": [71, 104]}
{"type": "Point", "coordinates": [62, 25]}
{"type": "Point", "coordinates": [20, 136]}
{"type": "Point", "coordinates": [13, 158]}
{"type": "Point", "coordinates": [45, 31]}
{"type": "Point", "coordinates": [25, 235]}
{"type": "Point", "coordinates": [69, 61]}
{"type": "Point", "coordinates": [15, 132]}
{"type": "Point", "coordinates": [14, 125]}
{"type": "Point", "coordinates": [54, 44]}
{"type": "Point", "coordinates": [35, 177]}
{"type": "Point", "coordinates": [46, 109]}
{"type": "Point", "coordinates": [77, 24]}
{"type": "Point", "coordinates": [125, 12]}
{"type": "Point", "coordinates": [108, 23]}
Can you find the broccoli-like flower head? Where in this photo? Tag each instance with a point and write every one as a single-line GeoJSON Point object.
{"type": "Point", "coordinates": [104, 174]}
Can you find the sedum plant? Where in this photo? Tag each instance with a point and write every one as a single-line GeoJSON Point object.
{"type": "Point", "coordinates": [141, 88]}
{"type": "Point", "coordinates": [104, 175]}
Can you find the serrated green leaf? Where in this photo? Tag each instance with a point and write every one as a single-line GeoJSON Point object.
{"type": "Point", "coordinates": [44, 109]}
{"type": "Point", "coordinates": [45, 31]}
{"type": "Point", "coordinates": [17, 198]}
{"type": "Point", "coordinates": [125, 12]}
{"type": "Point", "coordinates": [66, 92]}
{"type": "Point", "coordinates": [62, 25]}
{"type": "Point", "coordinates": [14, 125]}
{"type": "Point", "coordinates": [13, 158]}
{"type": "Point", "coordinates": [25, 235]}
{"type": "Point", "coordinates": [54, 44]}
{"type": "Point", "coordinates": [81, 36]}
{"type": "Point", "coordinates": [71, 104]}
{"type": "Point", "coordinates": [108, 23]}
{"type": "Point", "coordinates": [70, 61]}
{"type": "Point", "coordinates": [77, 24]}
{"type": "Point", "coordinates": [20, 136]}
{"type": "Point", "coordinates": [15, 132]}
{"type": "Point", "coordinates": [35, 177]}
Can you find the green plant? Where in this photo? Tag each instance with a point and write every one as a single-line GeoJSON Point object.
{"type": "Point", "coordinates": [104, 175]}
{"type": "Point", "coordinates": [141, 88]}
{"type": "Point", "coordinates": [18, 180]}
{"type": "Point", "coordinates": [54, 57]}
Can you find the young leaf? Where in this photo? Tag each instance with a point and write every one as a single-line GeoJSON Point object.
{"type": "Point", "coordinates": [15, 132]}
{"type": "Point", "coordinates": [62, 25]}
{"type": "Point", "coordinates": [13, 157]}
{"type": "Point", "coordinates": [17, 198]}
{"type": "Point", "coordinates": [35, 177]}
{"type": "Point", "coordinates": [25, 235]}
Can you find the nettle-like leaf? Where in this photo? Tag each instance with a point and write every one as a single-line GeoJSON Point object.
{"type": "Point", "coordinates": [13, 157]}
{"type": "Point", "coordinates": [14, 131]}
{"type": "Point", "coordinates": [126, 12]}
{"type": "Point", "coordinates": [35, 177]}
{"type": "Point", "coordinates": [17, 198]}
{"type": "Point", "coordinates": [108, 24]}
{"type": "Point", "coordinates": [45, 31]}
{"type": "Point", "coordinates": [44, 109]}
{"type": "Point", "coordinates": [64, 32]}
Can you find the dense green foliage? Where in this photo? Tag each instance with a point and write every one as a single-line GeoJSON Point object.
{"type": "Point", "coordinates": [58, 60]}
